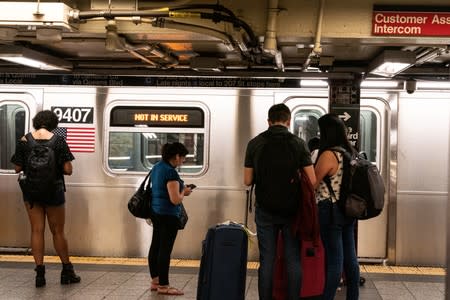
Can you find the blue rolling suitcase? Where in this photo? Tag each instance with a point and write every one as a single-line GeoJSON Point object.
{"type": "Point", "coordinates": [223, 266]}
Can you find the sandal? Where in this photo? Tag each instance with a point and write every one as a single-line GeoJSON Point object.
{"type": "Point", "coordinates": [168, 290]}
{"type": "Point", "coordinates": [154, 285]}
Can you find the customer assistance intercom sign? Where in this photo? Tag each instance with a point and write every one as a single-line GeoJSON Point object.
{"type": "Point", "coordinates": [410, 21]}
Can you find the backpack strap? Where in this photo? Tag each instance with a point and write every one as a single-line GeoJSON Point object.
{"type": "Point", "coordinates": [30, 139]}
{"type": "Point", "coordinates": [330, 188]}
{"type": "Point", "coordinates": [327, 178]}
{"type": "Point", "coordinates": [249, 192]}
{"type": "Point", "coordinates": [52, 141]}
{"type": "Point", "coordinates": [249, 206]}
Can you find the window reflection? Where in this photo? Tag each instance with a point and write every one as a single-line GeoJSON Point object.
{"type": "Point", "coordinates": [12, 128]}
{"type": "Point", "coordinates": [136, 151]}
{"type": "Point", "coordinates": [306, 127]}
{"type": "Point", "coordinates": [368, 134]}
{"type": "Point", "coordinates": [306, 124]}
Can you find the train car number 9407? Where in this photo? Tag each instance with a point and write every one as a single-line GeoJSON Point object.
{"type": "Point", "coordinates": [68, 114]}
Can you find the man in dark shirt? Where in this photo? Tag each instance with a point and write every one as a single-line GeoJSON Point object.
{"type": "Point", "coordinates": [268, 224]}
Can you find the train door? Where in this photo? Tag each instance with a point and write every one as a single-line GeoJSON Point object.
{"type": "Point", "coordinates": [15, 112]}
{"type": "Point", "coordinates": [306, 110]}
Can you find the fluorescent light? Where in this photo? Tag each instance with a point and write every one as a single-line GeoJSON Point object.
{"type": "Point", "coordinates": [30, 62]}
{"type": "Point", "coordinates": [381, 84]}
{"type": "Point", "coordinates": [391, 62]}
{"type": "Point", "coordinates": [433, 85]}
{"type": "Point", "coordinates": [313, 83]}
{"type": "Point", "coordinates": [389, 69]}
{"type": "Point", "coordinates": [34, 59]}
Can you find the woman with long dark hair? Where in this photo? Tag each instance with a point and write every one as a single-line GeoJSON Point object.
{"type": "Point", "coordinates": [168, 191]}
{"type": "Point", "coordinates": [337, 230]}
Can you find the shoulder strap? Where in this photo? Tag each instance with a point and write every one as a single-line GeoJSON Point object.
{"type": "Point", "coordinates": [30, 139]}
{"type": "Point", "coordinates": [149, 180]}
{"type": "Point", "coordinates": [330, 188]}
{"type": "Point", "coordinates": [52, 141]}
{"type": "Point", "coordinates": [327, 178]}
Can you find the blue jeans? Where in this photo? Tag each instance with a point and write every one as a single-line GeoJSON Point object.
{"type": "Point", "coordinates": [337, 233]}
{"type": "Point", "coordinates": [267, 228]}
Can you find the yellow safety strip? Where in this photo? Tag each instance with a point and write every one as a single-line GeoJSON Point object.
{"type": "Point", "coordinates": [187, 263]}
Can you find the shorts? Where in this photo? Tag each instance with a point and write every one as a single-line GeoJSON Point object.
{"type": "Point", "coordinates": [58, 197]}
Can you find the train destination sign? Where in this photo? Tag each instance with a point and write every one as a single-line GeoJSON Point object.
{"type": "Point", "coordinates": [157, 116]}
{"type": "Point", "coordinates": [396, 22]}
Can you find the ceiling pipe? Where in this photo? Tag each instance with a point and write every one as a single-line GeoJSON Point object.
{"type": "Point", "coordinates": [430, 55]}
{"type": "Point", "coordinates": [220, 14]}
{"type": "Point", "coordinates": [270, 39]}
{"type": "Point", "coordinates": [226, 39]}
{"type": "Point", "coordinates": [317, 49]}
{"type": "Point", "coordinates": [116, 43]}
{"type": "Point", "coordinates": [159, 4]}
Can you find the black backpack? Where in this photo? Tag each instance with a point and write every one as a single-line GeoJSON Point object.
{"type": "Point", "coordinates": [41, 176]}
{"type": "Point", "coordinates": [277, 181]}
{"type": "Point", "coordinates": [362, 189]}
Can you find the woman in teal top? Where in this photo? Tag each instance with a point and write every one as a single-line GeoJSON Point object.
{"type": "Point", "coordinates": [168, 191]}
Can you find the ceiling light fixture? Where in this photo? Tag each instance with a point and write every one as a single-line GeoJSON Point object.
{"type": "Point", "coordinates": [313, 83]}
{"type": "Point", "coordinates": [32, 58]}
{"type": "Point", "coordinates": [382, 84]}
{"type": "Point", "coordinates": [391, 62]}
{"type": "Point", "coordinates": [433, 85]}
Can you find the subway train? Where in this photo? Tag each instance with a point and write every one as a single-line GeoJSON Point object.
{"type": "Point", "coordinates": [116, 134]}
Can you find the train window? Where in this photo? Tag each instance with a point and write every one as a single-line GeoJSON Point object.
{"type": "Point", "coordinates": [368, 134]}
{"type": "Point", "coordinates": [136, 136]}
{"type": "Point", "coordinates": [12, 128]}
{"type": "Point", "coordinates": [306, 124]}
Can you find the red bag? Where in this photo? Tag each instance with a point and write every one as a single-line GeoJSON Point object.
{"type": "Point", "coordinates": [313, 270]}
{"type": "Point", "coordinates": [312, 256]}
{"type": "Point", "coordinates": [313, 267]}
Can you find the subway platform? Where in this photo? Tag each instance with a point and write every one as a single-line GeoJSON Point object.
{"type": "Point", "coordinates": [128, 279]}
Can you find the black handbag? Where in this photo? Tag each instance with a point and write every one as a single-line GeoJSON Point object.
{"type": "Point", "coordinates": [183, 218]}
{"type": "Point", "coordinates": [140, 204]}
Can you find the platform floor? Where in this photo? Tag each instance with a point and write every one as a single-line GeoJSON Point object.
{"type": "Point", "coordinates": [126, 279]}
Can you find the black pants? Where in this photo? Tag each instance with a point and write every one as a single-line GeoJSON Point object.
{"type": "Point", "coordinates": [165, 229]}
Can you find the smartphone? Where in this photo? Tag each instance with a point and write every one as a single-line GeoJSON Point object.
{"type": "Point", "coordinates": [192, 186]}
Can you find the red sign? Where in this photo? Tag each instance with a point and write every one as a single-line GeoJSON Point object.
{"type": "Point", "coordinates": [396, 23]}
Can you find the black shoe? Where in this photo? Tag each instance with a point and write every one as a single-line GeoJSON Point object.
{"type": "Point", "coordinates": [40, 275]}
{"type": "Point", "coordinates": [68, 275]}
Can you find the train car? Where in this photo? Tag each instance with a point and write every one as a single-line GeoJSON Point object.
{"type": "Point", "coordinates": [116, 134]}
